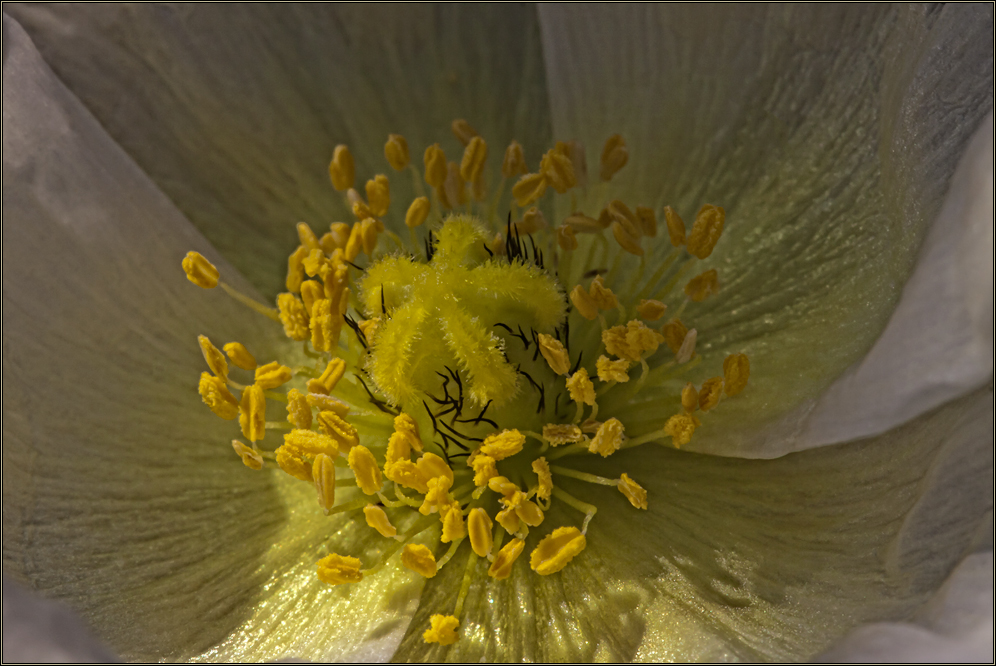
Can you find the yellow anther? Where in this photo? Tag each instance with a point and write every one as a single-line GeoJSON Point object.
{"type": "Point", "coordinates": [315, 386]}
{"type": "Point", "coordinates": [508, 519]}
{"type": "Point", "coordinates": [614, 156]}
{"type": "Point", "coordinates": [365, 469]}
{"type": "Point", "coordinates": [377, 519]}
{"type": "Point", "coordinates": [584, 303]}
{"type": "Point", "coordinates": [608, 439]}
{"type": "Point", "coordinates": [497, 244]}
{"type": "Point", "coordinates": [333, 373]}
{"type": "Point", "coordinates": [216, 395]}
{"type": "Point", "coordinates": [315, 262]}
{"type": "Point", "coordinates": [689, 398]}
{"type": "Point", "coordinates": [298, 410]}
{"type": "Point", "coordinates": [419, 559]}
{"type": "Point", "coordinates": [590, 426]}
{"type": "Point", "coordinates": [503, 444]}
{"type": "Point", "coordinates": [453, 193]}
{"type": "Point", "coordinates": [479, 528]}
{"type": "Point", "coordinates": [341, 169]}
{"type": "Point", "coordinates": [295, 269]}
{"type": "Point", "coordinates": [736, 370]}
{"type": "Point", "coordinates": [252, 413]}
{"type": "Point", "coordinates": [706, 231]}
{"type": "Point", "coordinates": [272, 375]}
{"type": "Point", "coordinates": [368, 235]}
{"type": "Point", "coordinates": [432, 466]}
{"type": "Point", "coordinates": [501, 568]}
{"type": "Point", "coordinates": [558, 171]}
{"type": "Point", "coordinates": [200, 271]}
{"type": "Point", "coordinates": [407, 426]}
{"type": "Point", "coordinates": [626, 240]}
{"type": "Point", "coordinates": [378, 195]}
{"type": "Point", "coordinates": [531, 222]}
{"type": "Point", "coordinates": [326, 403]}
{"type": "Point", "coordinates": [484, 469]}
{"type": "Point", "coordinates": [293, 316]}
{"type": "Point", "coordinates": [340, 233]}
{"type": "Point", "coordinates": [514, 163]}
{"type": "Point", "coordinates": [687, 349]}
{"type": "Point", "coordinates": [680, 427]}
{"type": "Point", "coordinates": [612, 371]}
{"type": "Point", "coordinates": [702, 286]}
{"type": "Point", "coordinates": [580, 387]}
{"type": "Point", "coordinates": [335, 280]}
{"type": "Point", "coordinates": [620, 212]}
{"type": "Point", "coordinates": [542, 469]}
{"type": "Point", "coordinates": [675, 226]}
{"type": "Point", "coordinates": [602, 296]}
{"type": "Point", "coordinates": [454, 527]}
{"type": "Point", "coordinates": [648, 220]}
{"type": "Point", "coordinates": [582, 224]}
{"type": "Point", "coordinates": [250, 458]}
{"type": "Point", "coordinates": [557, 549]}
{"type": "Point", "coordinates": [396, 152]}
{"type": "Point", "coordinates": [397, 449]}
{"type": "Point", "coordinates": [435, 166]}
{"type": "Point", "coordinates": [566, 238]}
{"type": "Point", "coordinates": [631, 341]}
{"type": "Point", "coordinates": [353, 197]}
{"type": "Point", "coordinates": [474, 155]}
{"type": "Point", "coordinates": [240, 356]}
{"type": "Point", "coordinates": [575, 152]}
{"type": "Point", "coordinates": [417, 213]}
{"type": "Point", "coordinates": [502, 486]}
{"type": "Point", "coordinates": [213, 357]}
{"type": "Point", "coordinates": [527, 510]}
{"type": "Point", "coordinates": [443, 630]}
{"type": "Point", "coordinates": [362, 210]}
{"type": "Point", "coordinates": [555, 354]}
{"type": "Point", "coordinates": [338, 569]}
{"type": "Point", "coordinates": [334, 427]}
{"type": "Point", "coordinates": [292, 462]}
{"type": "Point", "coordinates": [463, 131]}
{"type": "Point", "coordinates": [311, 291]}
{"type": "Point", "coordinates": [604, 220]}
{"type": "Point", "coordinates": [674, 333]}
{"type": "Point", "coordinates": [710, 393]}
{"type": "Point", "coordinates": [309, 241]}
{"type": "Point", "coordinates": [310, 443]}
{"type": "Point", "coordinates": [633, 491]}
{"type": "Point", "coordinates": [369, 328]}
{"type": "Point", "coordinates": [559, 434]}
{"type": "Point", "coordinates": [651, 310]}
{"type": "Point", "coordinates": [323, 472]}
{"type": "Point", "coordinates": [355, 242]}
{"type": "Point", "coordinates": [406, 473]}
{"type": "Point", "coordinates": [528, 189]}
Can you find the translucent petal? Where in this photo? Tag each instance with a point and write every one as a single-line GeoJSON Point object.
{"type": "Point", "coordinates": [234, 111]}
{"type": "Point", "coordinates": [756, 560]}
{"type": "Point", "coordinates": [121, 493]}
{"type": "Point", "coordinates": [829, 134]}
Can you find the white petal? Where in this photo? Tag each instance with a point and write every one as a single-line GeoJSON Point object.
{"type": "Point", "coordinates": [956, 626]}
{"type": "Point", "coordinates": [121, 493]}
{"type": "Point", "coordinates": [234, 110]}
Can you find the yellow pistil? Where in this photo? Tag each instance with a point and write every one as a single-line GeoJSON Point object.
{"type": "Point", "coordinates": [633, 491]}
{"type": "Point", "coordinates": [341, 169]}
{"type": "Point", "coordinates": [396, 152]}
{"type": "Point", "coordinates": [200, 271]}
{"type": "Point", "coordinates": [377, 518]}
{"type": "Point", "coordinates": [501, 568]}
{"type": "Point", "coordinates": [736, 371]}
{"type": "Point", "coordinates": [250, 458]}
{"type": "Point", "coordinates": [702, 286]}
{"type": "Point", "coordinates": [337, 570]}
{"type": "Point", "coordinates": [557, 549]}
{"type": "Point", "coordinates": [443, 630]}
{"type": "Point", "coordinates": [419, 559]}
{"type": "Point", "coordinates": [215, 394]}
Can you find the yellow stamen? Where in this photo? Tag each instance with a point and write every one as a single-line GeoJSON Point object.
{"type": "Point", "coordinates": [298, 410]}
{"type": "Point", "coordinates": [252, 413]}
{"type": "Point", "coordinates": [680, 427]}
{"type": "Point", "coordinates": [341, 170]}
{"type": "Point", "coordinates": [710, 393]}
{"type": "Point", "coordinates": [365, 469]}
{"type": "Point", "coordinates": [674, 334]}
{"type": "Point", "coordinates": [582, 224]}
{"type": "Point", "coordinates": [531, 222]}
{"type": "Point", "coordinates": [435, 166]}
{"type": "Point", "coordinates": [474, 155]}
{"type": "Point", "coordinates": [514, 163]}
{"type": "Point", "coordinates": [454, 527]}
{"type": "Point", "coordinates": [311, 291]}
{"type": "Point", "coordinates": [396, 152]}
{"type": "Point", "coordinates": [689, 398]}
{"type": "Point", "coordinates": [651, 310]}
{"type": "Point", "coordinates": [574, 150]}
{"type": "Point", "coordinates": [484, 469]}
{"type": "Point", "coordinates": [250, 458]}
{"type": "Point", "coordinates": [454, 192]}
{"type": "Point", "coordinates": [706, 231]}
{"type": "Point", "coordinates": [555, 354]}
{"type": "Point", "coordinates": [687, 349]}
{"type": "Point", "coordinates": [528, 189]}
{"type": "Point", "coordinates": [631, 341]}
{"type": "Point", "coordinates": [293, 316]}
{"type": "Point", "coordinates": [272, 375]}
{"type": "Point", "coordinates": [612, 371]}
{"type": "Point", "coordinates": [675, 226]}
{"type": "Point", "coordinates": [702, 286]}
{"type": "Point", "coordinates": [633, 491]}
{"type": "Point", "coordinates": [407, 426]}
{"type": "Point", "coordinates": [602, 296]}
{"type": "Point", "coordinates": [614, 157]}
{"type": "Point", "coordinates": [583, 303]}
{"type": "Point", "coordinates": [377, 519]}
{"type": "Point", "coordinates": [200, 271]}
{"type": "Point", "coordinates": [340, 234]}
{"type": "Point", "coordinates": [309, 241]}
{"type": "Point", "coordinates": [443, 630]}
{"type": "Point", "coordinates": [295, 269]}
{"type": "Point", "coordinates": [333, 373]}
{"type": "Point", "coordinates": [419, 559]}
{"type": "Point", "coordinates": [215, 394]}
{"type": "Point", "coordinates": [338, 569]}
{"type": "Point", "coordinates": [608, 439]}
{"type": "Point", "coordinates": [240, 356]}
{"type": "Point", "coordinates": [417, 213]}
{"type": "Point", "coordinates": [378, 195]}
{"type": "Point", "coordinates": [323, 472]}
{"type": "Point", "coordinates": [327, 403]}
{"type": "Point", "coordinates": [397, 449]}
{"type": "Point", "coordinates": [626, 239]}
{"type": "Point", "coordinates": [560, 434]}
{"type": "Point", "coordinates": [648, 221]}
{"type": "Point", "coordinates": [213, 357]}
{"type": "Point", "coordinates": [355, 242]}
{"type": "Point", "coordinates": [558, 171]}
{"type": "Point", "coordinates": [580, 388]}
{"type": "Point", "coordinates": [503, 444]}
{"type": "Point", "coordinates": [432, 466]}
{"type": "Point", "coordinates": [557, 549]}
{"type": "Point", "coordinates": [542, 469]}
{"type": "Point", "coordinates": [479, 526]}
{"type": "Point", "coordinates": [501, 568]}
{"type": "Point", "coordinates": [736, 370]}
{"type": "Point", "coordinates": [463, 131]}
{"type": "Point", "coordinates": [502, 486]}
{"type": "Point", "coordinates": [407, 474]}
{"type": "Point", "coordinates": [369, 228]}
{"type": "Point", "coordinates": [310, 443]}
{"type": "Point", "coordinates": [566, 238]}
{"type": "Point", "coordinates": [333, 426]}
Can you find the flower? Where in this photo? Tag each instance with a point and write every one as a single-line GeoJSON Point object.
{"type": "Point", "coordinates": [839, 157]}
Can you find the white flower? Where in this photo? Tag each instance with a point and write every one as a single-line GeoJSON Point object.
{"type": "Point", "coordinates": [831, 134]}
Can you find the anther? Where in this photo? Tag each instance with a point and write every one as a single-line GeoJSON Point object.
{"type": "Point", "coordinates": [252, 413]}
{"type": "Point", "coordinates": [502, 486]}
{"type": "Point", "coordinates": [472, 163]}
{"type": "Point", "coordinates": [544, 477]}
{"type": "Point", "coordinates": [558, 434]}
{"type": "Point", "coordinates": [333, 426]}
{"type": "Point", "coordinates": [503, 444]}
{"type": "Point", "coordinates": [365, 468]}
{"type": "Point", "coordinates": [417, 213]}
{"type": "Point", "coordinates": [702, 286]}
{"type": "Point", "coordinates": [582, 224]}
{"type": "Point", "coordinates": [651, 310]}
{"type": "Point", "coordinates": [675, 226]}
{"type": "Point", "coordinates": [355, 242]}
{"type": "Point", "coordinates": [556, 356]}
{"type": "Point", "coordinates": [710, 393]}
{"type": "Point", "coordinates": [443, 630]}
{"type": "Point", "coordinates": [407, 426]}
{"type": "Point", "coordinates": [531, 222]}
{"type": "Point", "coordinates": [558, 171]}
{"type": "Point", "coordinates": [419, 559]}
{"type": "Point", "coordinates": [377, 519]}
{"type": "Point", "coordinates": [200, 271]}
{"type": "Point", "coordinates": [332, 374]}
{"type": "Point", "coordinates": [327, 403]}
{"type": "Point", "coordinates": [687, 349]}
{"type": "Point", "coordinates": [626, 239]}
{"type": "Point", "coordinates": [602, 296]}
{"type": "Point", "coordinates": [323, 472]}
{"type": "Point", "coordinates": [340, 234]}
{"type": "Point", "coordinates": [680, 427]}
{"type": "Point", "coordinates": [580, 388]}
{"type": "Point", "coordinates": [338, 569]}
{"type": "Point", "coordinates": [479, 528]}
{"type": "Point", "coordinates": [435, 166]}
{"type": "Point", "coordinates": [406, 473]}
{"type": "Point", "coordinates": [614, 157]}
{"type": "Point", "coordinates": [453, 192]}
{"type": "Point", "coordinates": [557, 549]}
{"type": "Point", "coordinates": [215, 394]}
{"type": "Point", "coordinates": [298, 410]}
{"type": "Point", "coordinates": [309, 241]}
{"type": "Point", "coordinates": [250, 458]}
{"type": "Point", "coordinates": [689, 398]}
{"type": "Point", "coordinates": [463, 131]}
{"type": "Point", "coordinates": [674, 334]}
{"type": "Point", "coordinates": [397, 449]}
{"type": "Point", "coordinates": [272, 375]}
{"type": "Point", "coordinates": [311, 291]}
{"type": "Point", "coordinates": [514, 163]}
{"type": "Point", "coordinates": [396, 151]}
{"type": "Point", "coordinates": [213, 357]}
{"type": "Point", "coordinates": [574, 150]}
{"type": "Point", "coordinates": [240, 356]}
{"type": "Point", "coordinates": [608, 439]}
{"type": "Point", "coordinates": [341, 170]}
{"type": "Point", "coordinates": [378, 195]}
{"type": "Point", "coordinates": [528, 189]}
{"type": "Point", "coordinates": [612, 371]}
{"type": "Point", "coordinates": [736, 370]}
{"type": "Point", "coordinates": [566, 238]}
{"type": "Point", "coordinates": [706, 231]}
{"type": "Point", "coordinates": [633, 491]}
{"type": "Point", "coordinates": [484, 469]}
{"type": "Point", "coordinates": [648, 220]}
{"type": "Point", "coordinates": [584, 303]}
{"type": "Point", "coordinates": [501, 568]}
{"type": "Point", "coordinates": [432, 466]}
{"type": "Point", "coordinates": [454, 527]}
{"type": "Point", "coordinates": [295, 269]}
{"type": "Point", "coordinates": [293, 316]}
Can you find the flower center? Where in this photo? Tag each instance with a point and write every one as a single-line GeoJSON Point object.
{"type": "Point", "coordinates": [477, 345]}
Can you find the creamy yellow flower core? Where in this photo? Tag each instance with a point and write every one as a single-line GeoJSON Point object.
{"type": "Point", "coordinates": [491, 350]}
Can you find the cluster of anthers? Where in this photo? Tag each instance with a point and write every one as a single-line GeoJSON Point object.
{"type": "Point", "coordinates": [470, 336]}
